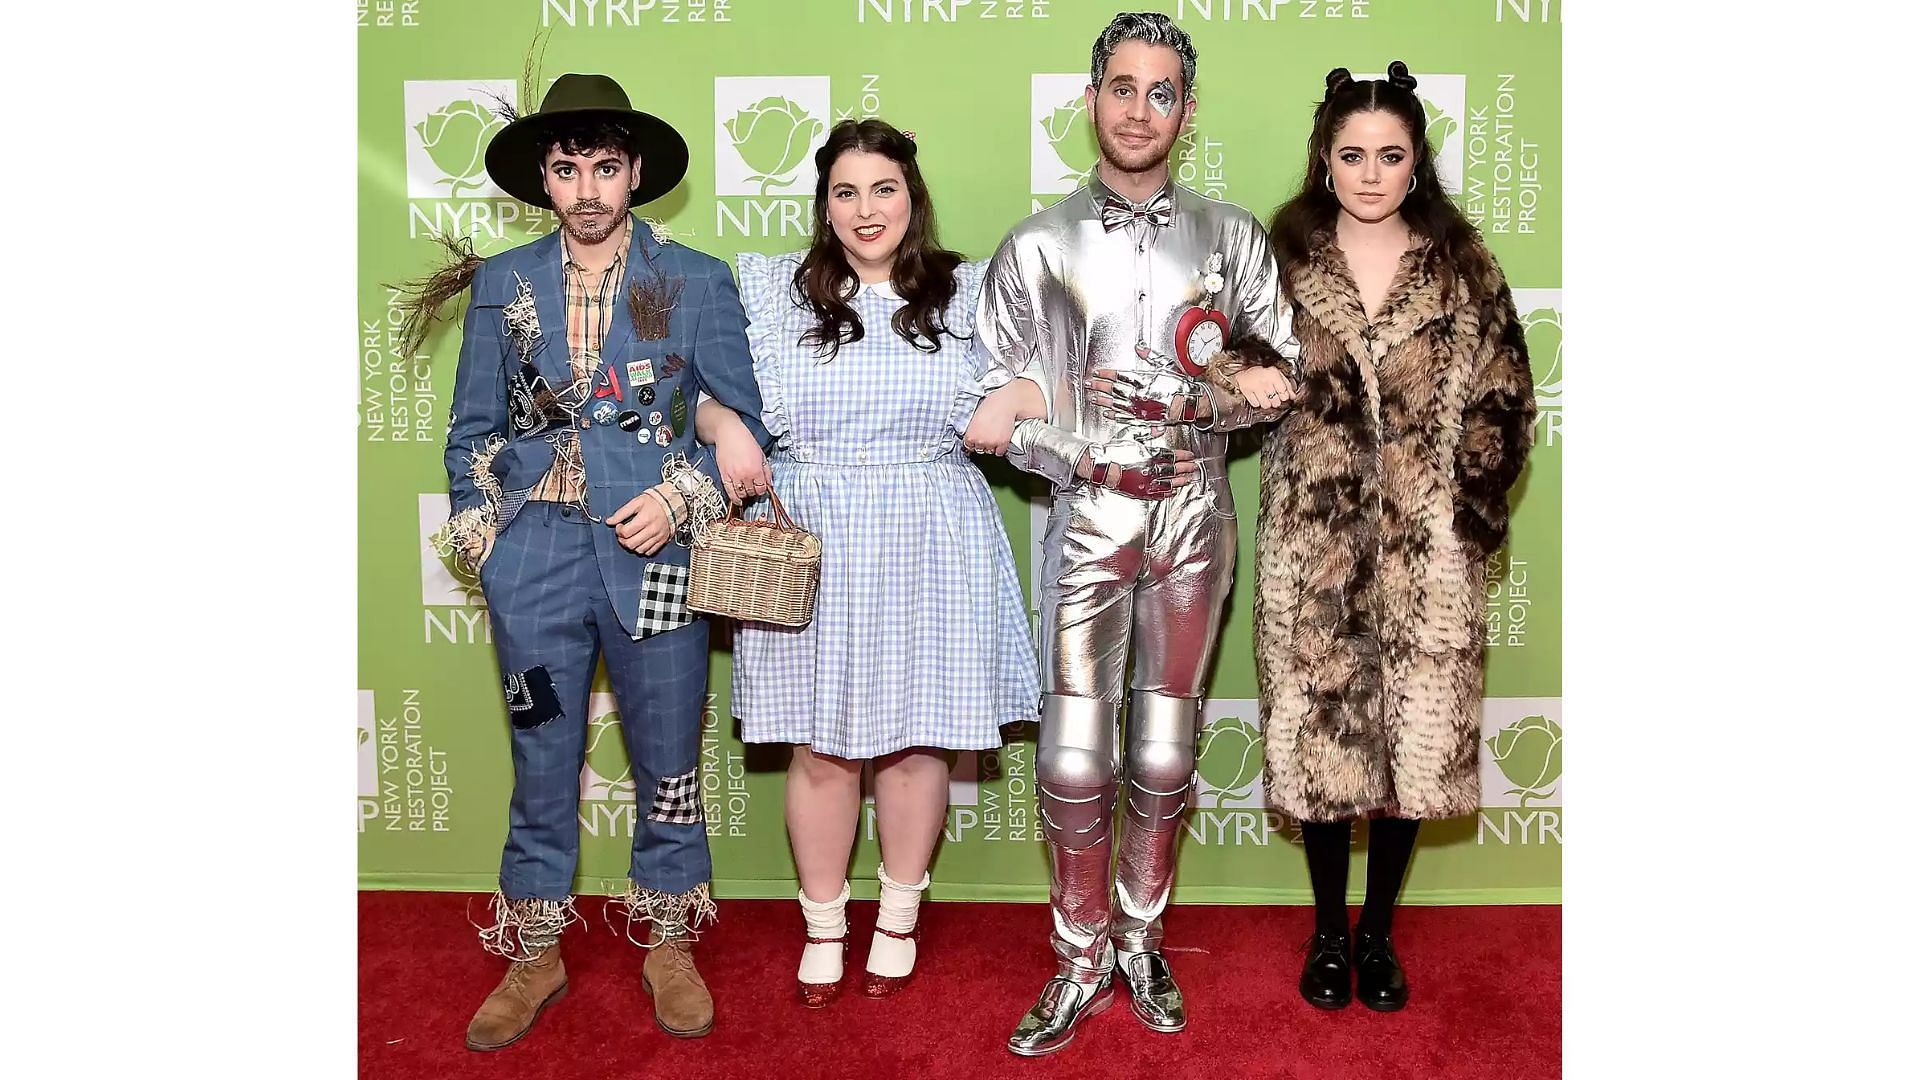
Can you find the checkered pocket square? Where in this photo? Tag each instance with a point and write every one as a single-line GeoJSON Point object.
{"type": "Point", "coordinates": [663, 600]}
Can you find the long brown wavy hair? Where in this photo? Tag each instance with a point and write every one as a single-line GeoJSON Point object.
{"type": "Point", "coordinates": [1427, 210]}
{"type": "Point", "coordinates": [923, 271]}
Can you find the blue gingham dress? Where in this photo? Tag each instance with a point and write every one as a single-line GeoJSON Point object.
{"type": "Point", "coordinates": [919, 636]}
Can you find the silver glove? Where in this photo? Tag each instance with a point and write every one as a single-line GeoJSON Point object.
{"type": "Point", "coordinates": [1164, 396]}
{"type": "Point", "coordinates": [1135, 469]}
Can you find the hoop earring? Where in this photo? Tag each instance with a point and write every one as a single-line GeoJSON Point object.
{"type": "Point", "coordinates": [1330, 190]}
{"type": "Point", "coordinates": [1413, 183]}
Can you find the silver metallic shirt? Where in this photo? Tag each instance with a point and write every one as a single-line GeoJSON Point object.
{"type": "Point", "coordinates": [1064, 295]}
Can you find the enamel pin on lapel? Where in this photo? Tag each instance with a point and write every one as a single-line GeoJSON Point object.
{"type": "Point", "coordinates": [611, 387]}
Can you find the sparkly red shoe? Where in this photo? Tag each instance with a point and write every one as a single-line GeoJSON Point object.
{"type": "Point", "coordinates": [879, 986]}
{"type": "Point", "coordinates": [821, 995]}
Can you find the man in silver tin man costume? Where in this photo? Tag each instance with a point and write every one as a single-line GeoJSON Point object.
{"type": "Point", "coordinates": [1112, 302]}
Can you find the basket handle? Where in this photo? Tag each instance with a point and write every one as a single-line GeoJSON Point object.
{"type": "Point", "coordinates": [779, 510]}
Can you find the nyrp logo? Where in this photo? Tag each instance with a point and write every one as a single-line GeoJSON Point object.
{"type": "Point", "coordinates": [1520, 752]}
{"type": "Point", "coordinates": [1228, 765]}
{"type": "Point", "coordinates": [1445, 100]}
{"type": "Point", "coordinates": [449, 124]}
{"type": "Point", "coordinates": [1061, 140]}
{"type": "Point", "coordinates": [443, 581]}
{"type": "Point", "coordinates": [607, 775]}
{"type": "Point", "coordinates": [766, 129]}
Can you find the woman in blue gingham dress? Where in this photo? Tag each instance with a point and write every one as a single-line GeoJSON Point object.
{"type": "Point", "coordinates": [920, 641]}
{"type": "Point", "coordinates": [919, 635]}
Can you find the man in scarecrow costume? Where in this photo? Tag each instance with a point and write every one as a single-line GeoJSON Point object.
{"type": "Point", "coordinates": [582, 358]}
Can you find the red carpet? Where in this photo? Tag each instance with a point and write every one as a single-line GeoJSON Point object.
{"type": "Point", "coordinates": [1485, 1000]}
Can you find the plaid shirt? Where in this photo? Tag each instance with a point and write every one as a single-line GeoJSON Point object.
{"type": "Point", "coordinates": [589, 313]}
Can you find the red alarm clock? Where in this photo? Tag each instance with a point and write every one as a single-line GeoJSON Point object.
{"type": "Point", "coordinates": [1200, 333]}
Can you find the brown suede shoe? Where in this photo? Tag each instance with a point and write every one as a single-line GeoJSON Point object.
{"type": "Point", "coordinates": [528, 988]}
{"type": "Point", "coordinates": [681, 1005]}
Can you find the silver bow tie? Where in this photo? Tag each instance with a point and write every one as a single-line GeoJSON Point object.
{"type": "Point", "coordinates": [1117, 211]}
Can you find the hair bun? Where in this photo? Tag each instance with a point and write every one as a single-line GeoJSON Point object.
{"type": "Point", "coordinates": [1398, 76]}
{"type": "Point", "coordinates": [1337, 80]}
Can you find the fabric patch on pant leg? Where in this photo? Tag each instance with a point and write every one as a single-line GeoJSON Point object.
{"type": "Point", "coordinates": [676, 799]}
{"type": "Point", "coordinates": [531, 700]}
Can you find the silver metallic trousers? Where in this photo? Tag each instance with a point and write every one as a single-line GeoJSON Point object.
{"type": "Point", "coordinates": [1121, 579]}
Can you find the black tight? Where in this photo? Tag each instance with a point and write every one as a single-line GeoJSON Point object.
{"type": "Point", "coordinates": [1389, 847]}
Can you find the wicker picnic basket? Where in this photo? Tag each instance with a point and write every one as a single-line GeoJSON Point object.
{"type": "Point", "coordinates": [756, 571]}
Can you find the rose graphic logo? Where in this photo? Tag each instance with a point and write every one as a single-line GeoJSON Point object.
{"type": "Point", "coordinates": [455, 137]}
{"type": "Point", "coordinates": [1229, 758]}
{"type": "Point", "coordinates": [1543, 350]}
{"type": "Point", "coordinates": [1528, 753]}
{"type": "Point", "coordinates": [772, 136]}
{"type": "Point", "coordinates": [609, 772]}
{"type": "Point", "coordinates": [1440, 126]}
{"type": "Point", "coordinates": [1070, 135]}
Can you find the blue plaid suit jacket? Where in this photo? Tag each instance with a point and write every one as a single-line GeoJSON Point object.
{"type": "Point", "coordinates": [707, 330]}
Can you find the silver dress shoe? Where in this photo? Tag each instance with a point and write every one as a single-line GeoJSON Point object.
{"type": "Point", "coordinates": [1156, 998]}
{"type": "Point", "coordinates": [1050, 1024]}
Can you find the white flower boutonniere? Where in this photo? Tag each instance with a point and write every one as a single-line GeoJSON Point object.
{"type": "Point", "coordinates": [1213, 282]}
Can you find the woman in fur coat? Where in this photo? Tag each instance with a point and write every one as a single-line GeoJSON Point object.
{"type": "Point", "coordinates": [1383, 490]}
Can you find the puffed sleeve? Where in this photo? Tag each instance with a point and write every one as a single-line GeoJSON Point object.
{"type": "Point", "coordinates": [766, 288]}
{"type": "Point", "coordinates": [960, 315]}
{"type": "Point", "coordinates": [1007, 334]}
{"type": "Point", "coordinates": [1004, 332]}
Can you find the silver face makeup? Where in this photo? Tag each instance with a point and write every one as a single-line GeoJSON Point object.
{"type": "Point", "coordinates": [1163, 97]}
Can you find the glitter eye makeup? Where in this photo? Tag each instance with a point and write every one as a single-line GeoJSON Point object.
{"type": "Point", "coordinates": [1162, 97]}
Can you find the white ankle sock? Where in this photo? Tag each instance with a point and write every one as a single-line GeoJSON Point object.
{"type": "Point", "coordinates": [824, 963]}
{"type": "Point", "coordinates": [899, 912]}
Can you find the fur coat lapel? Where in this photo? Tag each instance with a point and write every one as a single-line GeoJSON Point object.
{"type": "Point", "coordinates": [1324, 286]}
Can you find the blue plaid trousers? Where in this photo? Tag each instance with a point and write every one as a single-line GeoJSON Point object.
{"type": "Point", "coordinates": [551, 621]}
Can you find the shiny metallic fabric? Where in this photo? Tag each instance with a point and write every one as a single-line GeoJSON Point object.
{"type": "Point", "coordinates": [1121, 578]}
{"type": "Point", "coordinates": [1157, 1002]}
{"type": "Point", "coordinates": [1076, 772]}
{"type": "Point", "coordinates": [1064, 296]}
{"type": "Point", "coordinates": [1160, 749]}
{"type": "Point", "coordinates": [1063, 1004]}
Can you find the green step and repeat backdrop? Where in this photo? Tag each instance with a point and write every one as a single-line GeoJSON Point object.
{"type": "Point", "coordinates": [992, 90]}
